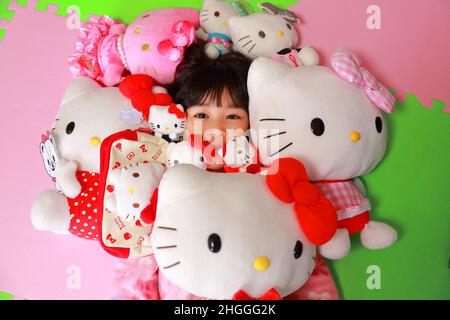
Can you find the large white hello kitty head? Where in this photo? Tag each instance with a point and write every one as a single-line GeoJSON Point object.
{"type": "Point", "coordinates": [216, 234]}
{"type": "Point", "coordinates": [214, 16]}
{"type": "Point", "coordinates": [88, 114]}
{"type": "Point", "coordinates": [262, 34]}
{"type": "Point", "coordinates": [327, 123]}
{"type": "Point", "coordinates": [168, 120]}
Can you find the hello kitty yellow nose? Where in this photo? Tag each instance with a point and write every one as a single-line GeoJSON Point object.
{"type": "Point", "coordinates": [355, 136]}
{"type": "Point", "coordinates": [280, 33]}
{"type": "Point", "coordinates": [225, 23]}
{"type": "Point", "coordinates": [261, 263]}
{"type": "Point", "coordinates": [95, 141]}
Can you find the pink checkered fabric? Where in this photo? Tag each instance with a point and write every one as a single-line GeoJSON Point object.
{"type": "Point", "coordinates": [348, 66]}
{"type": "Point", "coordinates": [345, 198]}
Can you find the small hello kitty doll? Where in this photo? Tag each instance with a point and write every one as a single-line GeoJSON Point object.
{"type": "Point", "coordinates": [153, 44]}
{"type": "Point", "coordinates": [165, 118]}
{"type": "Point", "coordinates": [332, 120]}
{"type": "Point", "coordinates": [214, 27]}
{"type": "Point", "coordinates": [239, 155]}
{"type": "Point", "coordinates": [247, 242]}
{"type": "Point", "coordinates": [133, 187]}
{"type": "Point", "coordinates": [88, 114]}
{"type": "Point", "coordinates": [271, 34]}
{"type": "Point", "coordinates": [184, 153]}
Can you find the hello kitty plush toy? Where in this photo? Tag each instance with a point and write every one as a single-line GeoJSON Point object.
{"type": "Point", "coordinates": [239, 155]}
{"type": "Point", "coordinates": [165, 118]}
{"type": "Point", "coordinates": [153, 44]}
{"type": "Point", "coordinates": [88, 114]}
{"type": "Point", "coordinates": [214, 27]}
{"type": "Point", "coordinates": [184, 153]}
{"type": "Point", "coordinates": [332, 120]}
{"type": "Point", "coordinates": [271, 34]}
{"type": "Point", "coordinates": [254, 239]}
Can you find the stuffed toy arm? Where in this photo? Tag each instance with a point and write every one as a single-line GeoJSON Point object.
{"type": "Point", "coordinates": [357, 182]}
{"type": "Point", "coordinates": [201, 34]}
{"type": "Point", "coordinates": [65, 175]}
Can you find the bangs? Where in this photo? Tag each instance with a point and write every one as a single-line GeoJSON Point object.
{"type": "Point", "coordinates": [211, 82]}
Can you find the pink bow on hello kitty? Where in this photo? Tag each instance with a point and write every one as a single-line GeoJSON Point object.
{"type": "Point", "coordinates": [183, 35]}
{"type": "Point", "coordinates": [348, 66]}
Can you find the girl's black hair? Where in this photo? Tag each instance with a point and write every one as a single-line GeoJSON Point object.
{"type": "Point", "coordinates": [201, 80]}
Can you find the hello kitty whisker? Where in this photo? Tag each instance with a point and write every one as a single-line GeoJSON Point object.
{"type": "Point", "coordinates": [167, 247]}
{"type": "Point", "coordinates": [272, 119]}
{"type": "Point", "coordinates": [284, 148]}
{"type": "Point", "coordinates": [244, 38]}
{"type": "Point", "coordinates": [172, 265]}
{"type": "Point", "coordinates": [247, 43]}
{"type": "Point", "coordinates": [167, 228]}
{"type": "Point", "coordinates": [251, 48]}
{"type": "Point", "coordinates": [275, 135]}
{"type": "Point", "coordinates": [204, 20]}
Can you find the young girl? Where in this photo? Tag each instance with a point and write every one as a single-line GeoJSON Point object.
{"type": "Point", "coordinates": [214, 94]}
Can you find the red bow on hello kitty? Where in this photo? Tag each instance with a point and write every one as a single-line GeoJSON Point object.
{"type": "Point", "coordinates": [272, 294]}
{"type": "Point", "coordinates": [173, 109]}
{"type": "Point", "coordinates": [138, 88]}
{"type": "Point", "coordinates": [182, 36]}
{"type": "Point", "coordinates": [288, 181]}
{"type": "Point", "coordinates": [348, 66]}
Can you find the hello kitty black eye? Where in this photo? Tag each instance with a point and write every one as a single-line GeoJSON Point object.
{"type": "Point", "coordinates": [70, 127]}
{"type": "Point", "coordinates": [176, 162]}
{"type": "Point", "coordinates": [217, 14]}
{"type": "Point", "coordinates": [289, 26]}
{"type": "Point", "coordinates": [214, 243]}
{"type": "Point", "coordinates": [202, 159]}
{"type": "Point", "coordinates": [262, 34]}
{"type": "Point", "coordinates": [175, 125]}
{"type": "Point", "coordinates": [158, 126]}
{"type": "Point", "coordinates": [298, 249]}
{"type": "Point", "coordinates": [379, 124]}
{"type": "Point", "coordinates": [317, 127]}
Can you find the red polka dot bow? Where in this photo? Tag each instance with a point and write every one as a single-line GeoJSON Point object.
{"type": "Point", "coordinates": [348, 66]}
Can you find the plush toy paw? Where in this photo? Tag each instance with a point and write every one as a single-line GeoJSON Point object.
{"type": "Point", "coordinates": [378, 235]}
{"type": "Point", "coordinates": [65, 174]}
{"type": "Point", "coordinates": [238, 154]}
{"type": "Point", "coordinates": [338, 247]}
{"type": "Point", "coordinates": [212, 52]}
{"type": "Point", "coordinates": [308, 56]}
{"type": "Point", "coordinates": [50, 212]}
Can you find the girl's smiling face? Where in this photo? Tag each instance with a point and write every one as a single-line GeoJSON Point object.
{"type": "Point", "coordinates": [217, 124]}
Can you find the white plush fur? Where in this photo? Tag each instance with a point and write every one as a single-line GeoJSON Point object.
{"type": "Point", "coordinates": [278, 34]}
{"type": "Point", "coordinates": [251, 223]}
{"type": "Point", "coordinates": [96, 113]}
{"type": "Point", "coordinates": [184, 153]}
{"type": "Point", "coordinates": [133, 189]}
{"type": "Point", "coordinates": [296, 96]}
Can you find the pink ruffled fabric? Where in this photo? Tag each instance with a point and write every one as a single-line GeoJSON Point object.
{"type": "Point", "coordinates": [96, 54]}
{"type": "Point", "coordinates": [139, 279]}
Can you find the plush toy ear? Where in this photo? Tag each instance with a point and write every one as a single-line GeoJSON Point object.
{"type": "Point", "coordinates": [78, 87]}
{"type": "Point", "coordinates": [262, 71]}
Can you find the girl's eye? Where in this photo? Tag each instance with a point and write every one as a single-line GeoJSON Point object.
{"type": "Point", "coordinates": [214, 243]}
{"type": "Point", "coordinates": [298, 249]}
{"type": "Point", "coordinates": [201, 116]}
{"type": "Point", "coordinates": [70, 127]}
{"type": "Point", "coordinates": [217, 14]}
{"type": "Point", "coordinates": [262, 34]}
{"type": "Point", "coordinates": [317, 127]}
{"type": "Point", "coordinates": [379, 124]}
{"type": "Point", "coordinates": [232, 117]}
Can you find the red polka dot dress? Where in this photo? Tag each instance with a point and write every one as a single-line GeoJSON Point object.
{"type": "Point", "coordinates": [83, 208]}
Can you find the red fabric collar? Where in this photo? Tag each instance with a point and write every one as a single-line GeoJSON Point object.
{"type": "Point", "coordinates": [272, 294]}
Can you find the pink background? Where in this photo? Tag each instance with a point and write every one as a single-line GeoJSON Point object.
{"type": "Point", "coordinates": [410, 52]}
